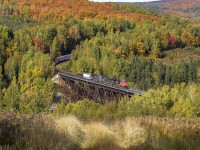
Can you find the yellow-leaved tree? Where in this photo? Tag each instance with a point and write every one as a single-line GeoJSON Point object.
{"type": "Point", "coordinates": [36, 88]}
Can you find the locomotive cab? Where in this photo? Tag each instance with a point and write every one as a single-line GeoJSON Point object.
{"type": "Point", "coordinates": [124, 84]}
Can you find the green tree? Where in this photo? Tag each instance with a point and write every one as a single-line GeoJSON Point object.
{"type": "Point", "coordinates": [22, 41]}
{"type": "Point", "coordinates": [1, 85]}
{"type": "Point", "coordinates": [74, 32]}
{"type": "Point", "coordinates": [26, 12]}
{"type": "Point", "coordinates": [141, 48]}
{"type": "Point", "coordinates": [155, 50]}
{"type": "Point", "coordinates": [5, 37]}
{"type": "Point", "coordinates": [188, 102]}
{"type": "Point", "coordinates": [55, 49]}
{"type": "Point", "coordinates": [12, 96]}
{"type": "Point", "coordinates": [36, 88]}
{"type": "Point", "coordinates": [11, 66]}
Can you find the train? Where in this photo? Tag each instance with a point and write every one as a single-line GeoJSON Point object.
{"type": "Point", "coordinates": [95, 77]}
{"type": "Point", "coordinates": [62, 59]}
{"type": "Point", "coordinates": [105, 79]}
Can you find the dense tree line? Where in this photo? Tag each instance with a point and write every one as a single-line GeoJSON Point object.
{"type": "Point", "coordinates": [33, 90]}
{"type": "Point", "coordinates": [147, 74]}
{"type": "Point", "coordinates": [25, 73]}
{"type": "Point", "coordinates": [179, 101]}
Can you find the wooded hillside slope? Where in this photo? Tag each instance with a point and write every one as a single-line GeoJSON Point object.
{"type": "Point", "coordinates": [183, 8]}
{"type": "Point", "coordinates": [58, 10]}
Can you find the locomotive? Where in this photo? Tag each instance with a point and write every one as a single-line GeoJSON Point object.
{"type": "Point", "coordinates": [106, 79]}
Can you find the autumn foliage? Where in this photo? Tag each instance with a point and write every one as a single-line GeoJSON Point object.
{"type": "Point", "coordinates": [183, 8]}
{"type": "Point", "coordinates": [51, 10]}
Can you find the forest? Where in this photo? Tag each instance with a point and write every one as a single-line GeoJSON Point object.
{"type": "Point", "coordinates": [155, 52]}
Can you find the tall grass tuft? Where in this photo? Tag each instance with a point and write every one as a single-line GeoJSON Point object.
{"type": "Point", "coordinates": [71, 127]}
{"type": "Point", "coordinates": [129, 133]}
{"type": "Point", "coordinates": [98, 135]}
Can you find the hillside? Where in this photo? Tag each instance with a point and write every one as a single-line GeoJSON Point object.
{"type": "Point", "coordinates": [183, 8]}
{"type": "Point", "coordinates": [44, 10]}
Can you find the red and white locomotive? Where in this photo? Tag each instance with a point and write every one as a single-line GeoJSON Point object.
{"type": "Point", "coordinates": [106, 79]}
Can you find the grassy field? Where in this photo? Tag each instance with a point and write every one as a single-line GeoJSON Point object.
{"type": "Point", "coordinates": [50, 132]}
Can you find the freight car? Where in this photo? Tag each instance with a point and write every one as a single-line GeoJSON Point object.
{"type": "Point", "coordinates": [106, 79]}
{"type": "Point", "coordinates": [62, 59]}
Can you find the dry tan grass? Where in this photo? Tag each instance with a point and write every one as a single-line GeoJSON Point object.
{"type": "Point", "coordinates": [93, 134]}
{"type": "Point", "coordinates": [129, 133]}
{"type": "Point", "coordinates": [173, 127]}
{"type": "Point", "coordinates": [96, 135]}
{"type": "Point", "coordinates": [71, 126]}
{"type": "Point", "coordinates": [69, 133]}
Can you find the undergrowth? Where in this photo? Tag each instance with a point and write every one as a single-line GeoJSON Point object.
{"type": "Point", "coordinates": [67, 132]}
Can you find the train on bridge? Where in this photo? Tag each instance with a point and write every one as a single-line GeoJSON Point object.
{"type": "Point", "coordinates": [97, 78]}
{"type": "Point", "coordinates": [106, 79]}
{"type": "Point", "coordinates": [113, 84]}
